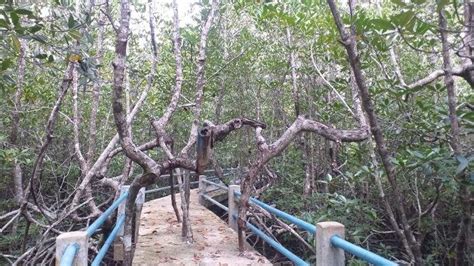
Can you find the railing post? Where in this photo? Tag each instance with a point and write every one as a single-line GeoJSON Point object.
{"type": "Point", "coordinates": [138, 211]}
{"type": "Point", "coordinates": [66, 239]}
{"type": "Point", "coordinates": [202, 190]}
{"type": "Point", "coordinates": [118, 243]}
{"type": "Point", "coordinates": [326, 254]}
{"type": "Point", "coordinates": [233, 207]}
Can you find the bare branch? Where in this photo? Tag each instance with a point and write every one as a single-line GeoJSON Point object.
{"type": "Point", "coordinates": [49, 136]}
{"type": "Point", "coordinates": [458, 71]}
{"type": "Point", "coordinates": [200, 78]}
{"type": "Point", "coordinates": [161, 123]}
{"type": "Point", "coordinates": [77, 146]}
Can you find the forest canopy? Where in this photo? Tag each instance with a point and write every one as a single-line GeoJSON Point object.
{"type": "Point", "coordinates": [360, 112]}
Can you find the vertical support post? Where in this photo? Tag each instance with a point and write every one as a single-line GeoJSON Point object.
{"type": "Point", "coordinates": [202, 190]}
{"type": "Point", "coordinates": [233, 207]}
{"type": "Point", "coordinates": [326, 254]}
{"type": "Point", "coordinates": [69, 238]}
{"type": "Point", "coordinates": [138, 211]}
{"type": "Point", "coordinates": [118, 243]}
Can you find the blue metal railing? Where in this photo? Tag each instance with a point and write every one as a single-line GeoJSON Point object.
{"type": "Point", "coordinates": [360, 252]}
{"type": "Point", "coordinates": [298, 222]}
{"type": "Point", "coordinates": [103, 217]}
{"type": "Point", "coordinates": [277, 246]}
{"type": "Point", "coordinates": [218, 204]}
{"type": "Point", "coordinates": [336, 241]}
{"type": "Point", "coordinates": [69, 254]}
{"type": "Point", "coordinates": [110, 239]}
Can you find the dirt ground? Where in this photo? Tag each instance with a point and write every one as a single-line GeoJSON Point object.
{"type": "Point", "coordinates": [159, 241]}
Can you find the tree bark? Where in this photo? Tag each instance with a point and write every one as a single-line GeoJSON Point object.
{"type": "Point", "coordinates": [267, 152]}
{"type": "Point", "coordinates": [464, 248]}
{"type": "Point", "coordinates": [349, 43]}
{"type": "Point", "coordinates": [200, 82]}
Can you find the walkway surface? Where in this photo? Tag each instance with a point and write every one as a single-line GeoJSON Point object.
{"type": "Point", "coordinates": [159, 240]}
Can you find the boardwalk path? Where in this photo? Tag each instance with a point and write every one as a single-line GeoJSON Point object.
{"type": "Point", "coordinates": [159, 240]}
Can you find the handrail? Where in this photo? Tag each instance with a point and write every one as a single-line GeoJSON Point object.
{"type": "Point", "coordinates": [279, 247]}
{"type": "Point", "coordinates": [298, 222]}
{"type": "Point", "coordinates": [67, 258]}
{"type": "Point", "coordinates": [154, 190]}
{"type": "Point", "coordinates": [335, 240]}
{"type": "Point", "coordinates": [224, 187]}
{"type": "Point", "coordinates": [218, 204]}
{"type": "Point", "coordinates": [360, 252]}
{"type": "Point", "coordinates": [110, 239]}
{"type": "Point", "coordinates": [103, 217]}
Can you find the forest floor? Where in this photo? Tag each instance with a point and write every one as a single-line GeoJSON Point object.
{"type": "Point", "coordinates": [159, 240]}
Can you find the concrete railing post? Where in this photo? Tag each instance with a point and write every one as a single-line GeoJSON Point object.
{"type": "Point", "coordinates": [202, 190]}
{"type": "Point", "coordinates": [138, 211]}
{"type": "Point", "coordinates": [118, 243]}
{"type": "Point", "coordinates": [326, 254]}
{"type": "Point", "coordinates": [65, 239]}
{"type": "Point", "coordinates": [233, 207]}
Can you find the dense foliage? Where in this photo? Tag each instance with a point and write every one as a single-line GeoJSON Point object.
{"type": "Point", "coordinates": [271, 62]}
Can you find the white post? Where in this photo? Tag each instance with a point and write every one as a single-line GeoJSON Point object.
{"type": "Point", "coordinates": [326, 254]}
{"type": "Point", "coordinates": [138, 211]}
{"type": "Point", "coordinates": [233, 207]}
{"type": "Point", "coordinates": [202, 190]}
{"type": "Point", "coordinates": [118, 243]}
{"type": "Point", "coordinates": [65, 239]}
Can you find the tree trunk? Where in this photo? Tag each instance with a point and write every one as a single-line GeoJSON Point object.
{"type": "Point", "coordinates": [349, 42]}
{"type": "Point", "coordinates": [464, 248]}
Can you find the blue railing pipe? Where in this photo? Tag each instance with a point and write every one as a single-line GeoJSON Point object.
{"type": "Point", "coordinates": [215, 202]}
{"type": "Point", "coordinates": [224, 187]}
{"type": "Point", "coordinates": [103, 217]}
{"type": "Point", "coordinates": [298, 222]}
{"type": "Point", "coordinates": [67, 259]}
{"type": "Point", "coordinates": [110, 239]}
{"type": "Point", "coordinates": [359, 252]}
{"type": "Point", "coordinates": [335, 240]}
{"type": "Point", "coordinates": [277, 246]}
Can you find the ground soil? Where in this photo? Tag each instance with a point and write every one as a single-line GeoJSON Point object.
{"type": "Point", "coordinates": [160, 242]}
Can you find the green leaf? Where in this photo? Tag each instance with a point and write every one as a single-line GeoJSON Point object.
{"type": "Point", "coordinates": [35, 28]}
{"type": "Point", "coordinates": [422, 27]}
{"type": "Point", "coordinates": [416, 154]}
{"type": "Point", "coordinates": [463, 163]}
{"type": "Point", "coordinates": [8, 79]}
{"type": "Point", "coordinates": [441, 4]}
{"type": "Point", "coordinates": [75, 34]}
{"type": "Point", "coordinates": [419, 2]}
{"type": "Point", "coordinates": [41, 56]}
{"type": "Point", "coordinates": [6, 63]}
{"type": "Point", "coordinates": [399, 3]}
{"type": "Point", "coordinates": [22, 11]}
{"type": "Point", "coordinates": [3, 24]}
{"type": "Point", "coordinates": [382, 24]}
{"type": "Point", "coordinates": [16, 43]}
{"type": "Point", "coordinates": [403, 18]}
{"type": "Point", "coordinates": [15, 19]}
{"type": "Point", "coordinates": [40, 38]}
{"type": "Point", "coordinates": [71, 22]}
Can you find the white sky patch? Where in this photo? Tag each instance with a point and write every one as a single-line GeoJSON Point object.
{"type": "Point", "coordinates": [163, 12]}
{"type": "Point", "coordinates": [187, 9]}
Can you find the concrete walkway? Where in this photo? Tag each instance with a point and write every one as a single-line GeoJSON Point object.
{"type": "Point", "coordinates": [159, 241]}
